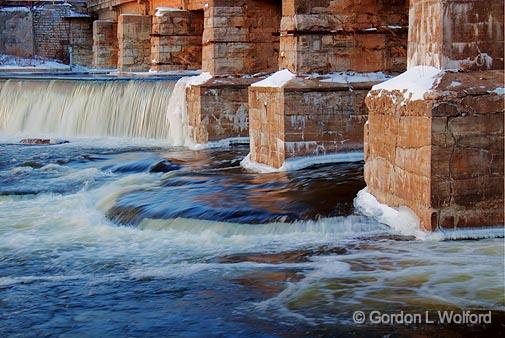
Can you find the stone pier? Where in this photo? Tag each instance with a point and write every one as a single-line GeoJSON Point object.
{"type": "Point", "coordinates": [134, 42]}
{"type": "Point", "coordinates": [218, 109]}
{"type": "Point", "coordinates": [240, 39]}
{"type": "Point", "coordinates": [323, 115]}
{"type": "Point", "coordinates": [176, 42]}
{"type": "Point", "coordinates": [105, 44]}
{"type": "Point", "coordinates": [435, 136]}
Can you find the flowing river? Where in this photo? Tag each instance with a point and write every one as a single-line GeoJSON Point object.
{"type": "Point", "coordinates": [130, 237]}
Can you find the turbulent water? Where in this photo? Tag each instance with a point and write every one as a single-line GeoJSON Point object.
{"type": "Point", "coordinates": [108, 237]}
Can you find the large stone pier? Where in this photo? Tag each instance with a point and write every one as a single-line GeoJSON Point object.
{"type": "Point", "coordinates": [435, 135]}
{"type": "Point", "coordinates": [321, 115]}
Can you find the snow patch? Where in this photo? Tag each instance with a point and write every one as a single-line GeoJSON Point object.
{"type": "Point", "coordinates": [455, 84]}
{"type": "Point", "coordinates": [160, 11]}
{"type": "Point", "coordinates": [405, 222]}
{"type": "Point", "coordinates": [12, 62]}
{"type": "Point", "coordinates": [352, 77]}
{"type": "Point", "coordinates": [414, 83]}
{"type": "Point", "coordinates": [276, 80]}
{"type": "Point", "coordinates": [402, 219]}
{"type": "Point", "coordinates": [14, 9]}
{"type": "Point", "coordinates": [225, 143]}
{"type": "Point", "coordinates": [298, 163]}
{"type": "Point", "coordinates": [498, 91]}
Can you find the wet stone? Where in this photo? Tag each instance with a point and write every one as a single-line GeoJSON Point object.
{"type": "Point", "coordinates": [296, 256]}
{"type": "Point", "coordinates": [40, 141]}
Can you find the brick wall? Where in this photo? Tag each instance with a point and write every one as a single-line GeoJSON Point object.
{"type": "Point", "coordinates": [81, 40]}
{"type": "Point", "coordinates": [58, 27]}
{"type": "Point", "coordinates": [16, 36]}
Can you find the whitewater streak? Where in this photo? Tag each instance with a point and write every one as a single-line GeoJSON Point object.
{"type": "Point", "coordinates": [70, 108]}
{"type": "Point", "coordinates": [177, 113]}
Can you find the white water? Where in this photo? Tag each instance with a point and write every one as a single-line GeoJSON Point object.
{"type": "Point", "coordinates": [177, 114]}
{"type": "Point", "coordinates": [69, 108]}
{"type": "Point", "coordinates": [74, 225]}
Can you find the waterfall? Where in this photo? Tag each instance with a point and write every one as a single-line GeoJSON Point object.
{"type": "Point", "coordinates": [73, 108]}
{"type": "Point", "coordinates": [177, 113]}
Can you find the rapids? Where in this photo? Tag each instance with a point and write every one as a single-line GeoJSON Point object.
{"type": "Point", "coordinates": [122, 237]}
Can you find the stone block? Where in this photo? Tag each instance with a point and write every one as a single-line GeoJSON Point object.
{"type": "Point", "coordinates": [449, 165]}
{"type": "Point", "coordinates": [219, 109]}
{"type": "Point", "coordinates": [305, 118]}
{"type": "Point", "coordinates": [134, 42]}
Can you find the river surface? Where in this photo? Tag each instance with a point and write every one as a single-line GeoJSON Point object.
{"type": "Point", "coordinates": [110, 237]}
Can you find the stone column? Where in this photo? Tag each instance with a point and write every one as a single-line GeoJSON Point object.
{"type": "Point", "coordinates": [434, 139]}
{"type": "Point", "coordinates": [324, 115]}
{"type": "Point", "coordinates": [105, 44]}
{"type": "Point", "coordinates": [176, 42]}
{"type": "Point", "coordinates": [241, 37]}
{"type": "Point", "coordinates": [346, 35]}
{"type": "Point", "coordinates": [134, 41]}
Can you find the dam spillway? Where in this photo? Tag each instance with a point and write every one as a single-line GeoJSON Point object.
{"type": "Point", "coordinates": [86, 107]}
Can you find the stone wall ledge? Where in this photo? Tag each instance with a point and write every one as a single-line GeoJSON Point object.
{"type": "Point", "coordinates": [455, 94]}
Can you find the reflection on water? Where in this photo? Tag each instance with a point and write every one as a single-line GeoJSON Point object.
{"type": "Point", "coordinates": [134, 240]}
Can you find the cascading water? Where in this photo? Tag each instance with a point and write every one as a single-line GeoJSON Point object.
{"type": "Point", "coordinates": [69, 108]}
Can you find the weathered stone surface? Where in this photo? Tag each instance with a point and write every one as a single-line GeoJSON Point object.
{"type": "Point", "coordinates": [176, 42]}
{"type": "Point", "coordinates": [81, 40]}
{"type": "Point", "coordinates": [241, 37]}
{"type": "Point", "coordinates": [16, 32]}
{"type": "Point", "coordinates": [443, 156]}
{"type": "Point", "coordinates": [134, 42]}
{"type": "Point", "coordinates": [463, 34]}
{"type": "Point", "coordinates": [305, 118]}
{"type": "Point", "coordinates": [219, 109]}
{"type": "Point", "coordinates": [105, 44]}
{"type": "Point", "coordinates": [327, 36]}
{"type": "Point", "coordinates": [55, 31]}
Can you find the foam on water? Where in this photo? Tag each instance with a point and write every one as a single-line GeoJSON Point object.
{"type": "Point", "coordinates": [298, 163]}
{"type": "Point", "coordinates": [405, 222]}
{"type": "Point", "coordinates": [54, 239]}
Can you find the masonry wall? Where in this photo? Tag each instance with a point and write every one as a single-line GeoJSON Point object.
{"type": "Point", "coordinates": [176, 42]}
{"type": "Point", "coordinates": [326, 36]}
{"type": "Point", "coordinates": [464, 34]}
{"type": "Point", "coordinates": [241, 37]}
{"type": "Point", "coordinates": [218, 109]}
{"type": "Point", "coordinates": [48, 31]}
{"type": "Point", "coordinates": [51, 32]}
{"type": "Point", "coordinates": [81, 40]}
{"type": "Point", "coordinates": [306, 118]}
{"type": "Point", "coordinates": [105, 44]}
{"type": "Point", "coordinates": [16, 35]}
{"type": "Point", "coordinates": [134, 42]}
{"type": "Point", "coordinates": [442, 156]}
